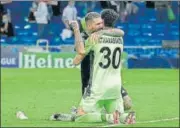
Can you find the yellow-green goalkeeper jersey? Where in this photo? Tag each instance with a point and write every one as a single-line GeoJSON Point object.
{"type": "Point", "coordinates": [105, 78]}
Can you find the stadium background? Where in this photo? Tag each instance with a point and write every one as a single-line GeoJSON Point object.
{"type": "Point", "coordinates": [143, 40]}
{"type": "Point", "coordinates": [56, 88]}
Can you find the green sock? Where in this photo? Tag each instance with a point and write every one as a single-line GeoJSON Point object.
{"type": "Point", "coordinates": [103, 117]}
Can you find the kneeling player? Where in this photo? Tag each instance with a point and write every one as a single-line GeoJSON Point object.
{"type": "Point", "coordinates": [104, 87]}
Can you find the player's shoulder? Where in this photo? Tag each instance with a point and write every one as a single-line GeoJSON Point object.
{"type": "Point", "coordinates": [94, 37]}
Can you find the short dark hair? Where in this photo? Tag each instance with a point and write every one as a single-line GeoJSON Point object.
{"type": "Point", "coordinates": [110, 17]}
{"type": "Point", "coordinates": [92, 15]}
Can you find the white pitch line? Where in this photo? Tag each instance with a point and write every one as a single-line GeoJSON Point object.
{"type": "Point", "coordinates": [144, 122]}
{"type": "Point", "coordinates": [153, 121]}
{"type": "Point", "coordinates": [76, 80]}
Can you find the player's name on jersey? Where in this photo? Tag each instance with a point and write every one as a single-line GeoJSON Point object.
{"type": "Point", "coordinates": [110, 40]}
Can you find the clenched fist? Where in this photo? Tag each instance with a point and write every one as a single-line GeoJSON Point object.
{"type": "Point", "coordinates": [74, 24]}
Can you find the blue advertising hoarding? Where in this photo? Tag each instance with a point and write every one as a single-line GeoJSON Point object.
{"type": "Point", "coordinates": [9, 57]}
{"type": "Point", "coordinates": [20, 57]}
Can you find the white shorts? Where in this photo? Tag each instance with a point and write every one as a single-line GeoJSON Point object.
{"type": "Point", "coordinates": [90, 104]}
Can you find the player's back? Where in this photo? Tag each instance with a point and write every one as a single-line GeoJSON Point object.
{"type": "Point", "coordinates": [105, 76]}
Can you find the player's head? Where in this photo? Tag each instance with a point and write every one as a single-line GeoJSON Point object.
{"type": "Point", "coordinates": [71, 3]}
{"type": "Point", "coordinates": [94, 22]}
{"type": "Point", "coordinates": [110, 17]}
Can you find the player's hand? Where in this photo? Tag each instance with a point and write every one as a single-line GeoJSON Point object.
{"type": "Point", "coordinates": [74, 25]}
{"type": "Point", "coordinates": [127, 102]}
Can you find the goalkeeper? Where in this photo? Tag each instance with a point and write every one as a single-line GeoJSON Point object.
{"type": "Point", "coordinates": [105, 81]}
{"type": "Point", "coordinates": [110, 17]}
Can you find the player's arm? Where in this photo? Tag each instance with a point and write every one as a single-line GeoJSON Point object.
{"type": "Point", "coordinates": [79, 43]}
{"type": "Point", "coordinates": [78, 58]}
{"type": "Point", "coordinates": [113, 32]}
{"type": "Point", "coordinates": [89, 44]}
{"type": "Point", "coordinates": [116, 30]}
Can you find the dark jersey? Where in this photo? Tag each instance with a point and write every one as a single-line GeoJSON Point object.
{"type": "Point", "coordinates": [85, 67]}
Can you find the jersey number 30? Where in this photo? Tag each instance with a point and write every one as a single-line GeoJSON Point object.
{"type": "Point", "coordinates": [109, 59]}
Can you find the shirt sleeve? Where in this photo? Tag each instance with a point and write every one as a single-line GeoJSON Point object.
{"type": "Point", "coordinates": [89, 45]}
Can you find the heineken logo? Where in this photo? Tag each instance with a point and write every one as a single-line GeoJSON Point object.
{"type": "Point", "coordinates": [31, 60]}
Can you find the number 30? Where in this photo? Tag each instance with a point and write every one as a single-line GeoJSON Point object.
{"type": "Point", "coordinates": [108, 55]}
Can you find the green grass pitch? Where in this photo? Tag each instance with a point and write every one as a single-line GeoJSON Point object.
{"type": "Point", "coordinates": [42, 92]}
